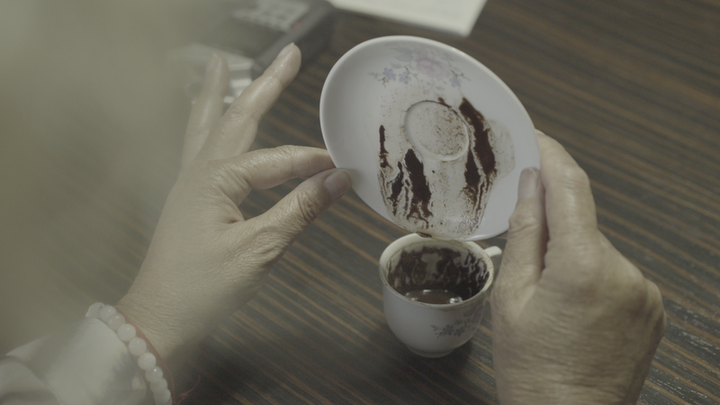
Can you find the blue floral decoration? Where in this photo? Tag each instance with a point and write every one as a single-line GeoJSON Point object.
{"type": "Point", "coordinates": [434, 67]}
{"type": "Point", "coordinates": [389, 74]}
{"type": "Point", "coordinates": [470, 320]}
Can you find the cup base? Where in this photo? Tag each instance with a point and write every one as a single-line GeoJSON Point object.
{"type": "Point", "coordinates": [430, 355]}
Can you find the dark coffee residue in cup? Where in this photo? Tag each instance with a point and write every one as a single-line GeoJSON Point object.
{"type": "Point", "coordinates": [435, 268]}
{"type": "Point", "coordinates": [411, 170]}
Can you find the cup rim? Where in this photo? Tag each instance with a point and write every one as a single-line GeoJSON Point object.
{"type": "Point", "coordinates": [414, 239]}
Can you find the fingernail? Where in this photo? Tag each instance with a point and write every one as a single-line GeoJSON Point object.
{"type": "Point", "coordinates": [285, 50]}
{"type": "Point", "coordinates": [337, 183]}
{"type": "Point", "coordinates": [528, 183]}
{"type": "Point", "coordinates": [213, 64]}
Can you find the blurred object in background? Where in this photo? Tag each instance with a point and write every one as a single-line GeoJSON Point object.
{"type": "Point", "coordinates": [249, 34]}
{"type": "Point", "coordinates": [91, 134]}
{"type": "Point", "coordinates": [455, 16]}
{"type": "Point", "coordinates": [91, 131]}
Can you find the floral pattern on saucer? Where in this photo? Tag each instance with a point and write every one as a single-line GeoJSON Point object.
{"type": "Point", "coordinates": [420, 63]}
{"type": "Point", "coordinates": [470, 320]}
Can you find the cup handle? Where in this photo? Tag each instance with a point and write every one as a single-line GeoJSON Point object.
{"type": "Point", "coordinates": [495, 254]}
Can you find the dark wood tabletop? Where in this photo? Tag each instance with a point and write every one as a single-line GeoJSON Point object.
{"type": "Point", "coordinates": [630, 88]}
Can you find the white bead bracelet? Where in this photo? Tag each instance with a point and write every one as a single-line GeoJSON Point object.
{"type": "Point", "coordinates": [138, 347]}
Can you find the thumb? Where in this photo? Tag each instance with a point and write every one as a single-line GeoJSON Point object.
{"type": "Point", "coordinates": [291, 215]}
{"type": "Point", "coordinates": [523, 259]}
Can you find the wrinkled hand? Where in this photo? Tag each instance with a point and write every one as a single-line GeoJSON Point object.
{"type": "Point", "coordinates": [574, 322]}
{"type": "Point", "coordinates": [205, 259]}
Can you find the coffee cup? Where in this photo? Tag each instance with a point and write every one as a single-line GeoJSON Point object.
{"type": "Point", "coordinates": [434, 291]}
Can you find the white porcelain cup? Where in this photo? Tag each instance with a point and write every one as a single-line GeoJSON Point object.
{"type": "Point", "coordinates": [452, 278]}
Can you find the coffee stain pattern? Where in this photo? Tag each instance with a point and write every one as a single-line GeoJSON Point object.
{"type": "Point", "coordinates": [437, 197]}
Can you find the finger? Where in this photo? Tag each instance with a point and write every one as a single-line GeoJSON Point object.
{"type": "Point", "coordinates": [207, 108]}
{"type": "Point", "coordinates": [291, 215]}
{"type": "Point", "coordinates": [266, 168]}
{"type": "Point", "coordinates": [570, 207]}
{"type": "Point", "coordinates": [655, 301]}
{"type": "Point", "coordinates": [523, 261]}
{"type": "Point", "coordinates": [235, 132]}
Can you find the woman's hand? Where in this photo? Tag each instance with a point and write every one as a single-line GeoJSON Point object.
{"type": "Point", "coordinates": [574, 322]}
{"type": "Point", "coordinates": [205, 259]}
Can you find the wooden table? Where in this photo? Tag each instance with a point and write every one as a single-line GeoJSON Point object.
{"type": "Point", "coordinates": [632, 89]}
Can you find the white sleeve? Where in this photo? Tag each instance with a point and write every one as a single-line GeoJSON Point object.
{"type": "Point", "coordinates": [18, 385]}
{"type": "Point", "coordinates": [84, 365]}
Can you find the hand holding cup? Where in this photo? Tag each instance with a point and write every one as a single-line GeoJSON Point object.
{"type": "Point", "coordinates": [574, 321]}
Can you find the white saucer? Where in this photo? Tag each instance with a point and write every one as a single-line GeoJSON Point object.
{"type": "Point", "coordinates": [395, 109]}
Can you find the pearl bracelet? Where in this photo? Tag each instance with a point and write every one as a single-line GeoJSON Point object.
{"type": "Point", "coordinates": [137, 347]}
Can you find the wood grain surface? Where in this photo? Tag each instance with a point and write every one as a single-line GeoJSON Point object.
{"type": "Point", "coordinates": [630, 88]}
